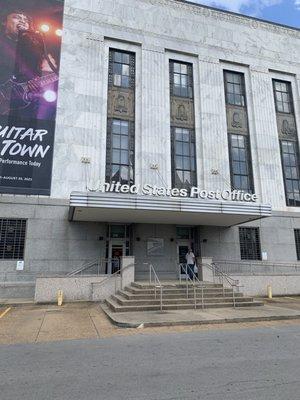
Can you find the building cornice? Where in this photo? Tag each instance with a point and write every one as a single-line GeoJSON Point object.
{"type": "Point", "coordinates": [198, 10]}
{"type": "Point", "coordinates": [229, 16]}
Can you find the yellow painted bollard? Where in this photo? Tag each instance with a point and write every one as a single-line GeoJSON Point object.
{"type": "Point", "coordinates": [269, 290]}
{"type": "Point", "coordinates": [60, 297]}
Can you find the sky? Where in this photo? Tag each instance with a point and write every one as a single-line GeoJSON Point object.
{"type": "Point", "coordinates": [285, 12]}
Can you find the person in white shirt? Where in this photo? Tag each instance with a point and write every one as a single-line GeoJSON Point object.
{"type": "Point", "coordinates": [190, 261]}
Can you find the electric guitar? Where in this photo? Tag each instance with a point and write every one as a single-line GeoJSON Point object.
{"type": "Point", "coordinates": [19, 95]}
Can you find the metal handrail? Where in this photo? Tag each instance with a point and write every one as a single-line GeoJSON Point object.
{"type": "Point", "coordinates": [117, 273]}
{"type": "Point", "coordinates": [157, 283]}
{"type": "Point", "coordinates": [96, 262]}
{"type": "Point", "coordinates": [234, 283]}
{"type": "Point", "coordinates": [193, 281]}
{"type": "Point", "coordinates": [216, 273]}
{"type": "Point", "coordinates": [249, 267]}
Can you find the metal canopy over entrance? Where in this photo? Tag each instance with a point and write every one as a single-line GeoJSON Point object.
{"type": "Point", "coordinates": [123, 208]}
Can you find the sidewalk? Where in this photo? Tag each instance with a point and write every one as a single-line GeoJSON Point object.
{"type": "Point", "coordinates": [277, 309]}
{"type": "Point", "coordinates": [31, 323]}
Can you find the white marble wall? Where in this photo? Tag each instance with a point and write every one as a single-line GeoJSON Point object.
{"type": "Point", "coordinates": [154, 30]}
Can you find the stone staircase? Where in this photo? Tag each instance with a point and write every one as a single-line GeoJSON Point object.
{"type": "Point", "coordinates": [140, 296]}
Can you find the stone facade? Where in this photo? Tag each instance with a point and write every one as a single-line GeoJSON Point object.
{"type": "Point", "coordinates": [157, 31]}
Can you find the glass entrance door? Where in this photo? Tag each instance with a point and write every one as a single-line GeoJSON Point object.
{"type": "Point", "coordinates": [182, 249]}
{"type": "Point", "coordinates": [116, 252]}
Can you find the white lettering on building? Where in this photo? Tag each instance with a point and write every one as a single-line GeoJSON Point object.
{"type": "Point", "coordinates": [158, 191]}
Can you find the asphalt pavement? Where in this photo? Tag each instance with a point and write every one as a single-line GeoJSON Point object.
{"type": "Point", "coordinates": [261, 363]}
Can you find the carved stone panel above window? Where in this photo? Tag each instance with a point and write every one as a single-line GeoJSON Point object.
{"type": "Point", "coordinates": [237, 120]}
{"type": "Point", "coordinates": [182, 112]}
{"type": "Point", "coordinates": [286, 126]}
{"type": "Point", "coordinates": [121, 104]}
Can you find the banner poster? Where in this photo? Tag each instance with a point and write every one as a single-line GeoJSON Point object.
{"type": "Point", "coordinates": [30, 45]}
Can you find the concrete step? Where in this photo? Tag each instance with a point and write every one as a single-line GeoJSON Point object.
{"type": "Point", "coordinates": [174, 290]}
{"type": "Point", "coordinates": [175, 284]}
{"type": "Point", "coordinates": [114, 306]}
{"type": "Point", "coordinates": [177, 295]}
{"type": "Point", "coordinates": [124, 302]}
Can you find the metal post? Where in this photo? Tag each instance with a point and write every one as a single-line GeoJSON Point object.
{"type": "Point", "coordinates": [161, 293]}
{"type": "Point", "coordinates": [233, 297]}
{"type": "Point", "coordinates": [195, 298]}
{"type": "Point", "coordinates": [202, 297]}
{"type": "Point", "coordinates": [187, 286]}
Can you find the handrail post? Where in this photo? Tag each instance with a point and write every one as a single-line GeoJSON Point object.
{"type": "Point", "coordinates": [195, 297]}
{"type": "Point", "coordinates": [223, 286]}
{"type": "Point", "coordinates": [202, 297]}
{"type": "Point", "coordinates": [161, 293]}
{"type": "Point", "coordinates": [233, 297]}
{"type": "Point", "coordinates": [180, 273]}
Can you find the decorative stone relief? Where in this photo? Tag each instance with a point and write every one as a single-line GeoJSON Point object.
{"type": "Point", "coordinates": [121, 103]}
{"type": "Point", "coordinates": [237, 120]}
{"type": "Point", "coordinates": [286, 125]}
{"type": "Point", "coordinates": [182, 112]}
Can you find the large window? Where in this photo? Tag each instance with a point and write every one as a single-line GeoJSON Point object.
{"type": "Point", "coordinates": [12, 239]}
{"type": "Point", "coordinates": [283, 97]}
{"type": "Point", "coordinates": [235, 88]}
{"type": "Point", "coordinates": [184, 163]}
{"type": "Point", "coordinates": [181, 76]}
{"type": "Point", "coordinates": [120, 157]}
{"type": "Point", "coordinates": [250, 244]}
{"type": "Point", "coordinates": [239, 156]}
{"type": "Point", "coordinates": [288, 140]}
{"type": "Point", "coordinates": [238, 133]}
{"type": "Point", "coordinates": [290, 164]}
{"type": "Point", "coordinates": [120, 143]}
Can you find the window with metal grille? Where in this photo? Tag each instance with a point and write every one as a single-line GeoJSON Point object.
{"type": "Point", "coordinates": [184, 162]}
{"type": "Point", "coordinates": [297, 242]}
{"type": "Point", "coordinates": [241, 170]}
{"type": "Point", "coordinates": [121, 69]}
{"type": "Point", "coordinates": [120, 152]}
{"type": "Point", "coordinates": [181, 79]}
{"type": "Point", "coordinates": [290, 164]}
{"type": "Point", "coordinates": [283, 97]}
{"type": "Point", "coordinates": [235, 88]}
{"type": "Point", "coordinates": [250, 243]}
{"type": "Point", "coordinates": [12, 239]}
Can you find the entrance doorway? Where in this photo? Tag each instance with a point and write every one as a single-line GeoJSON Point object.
{"type": "Point", "coordinates": [182, 249]}
{"type": "Point", "coordinates": [117, 250]}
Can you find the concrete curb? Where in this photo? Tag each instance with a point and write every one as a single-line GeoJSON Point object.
{"type": "Point", "coordinates": [123, 324]}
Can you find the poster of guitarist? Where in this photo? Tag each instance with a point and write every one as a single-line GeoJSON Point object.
{"type": "Point", "coordinates": [28, 69]}
{"type": "Point", "coordinates": [30, 46]}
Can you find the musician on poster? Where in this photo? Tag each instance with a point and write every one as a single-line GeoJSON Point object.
{"type": "Point", "coordinates": [30, 48]}
{"type": "Point", "coordinates": [27, 69]}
